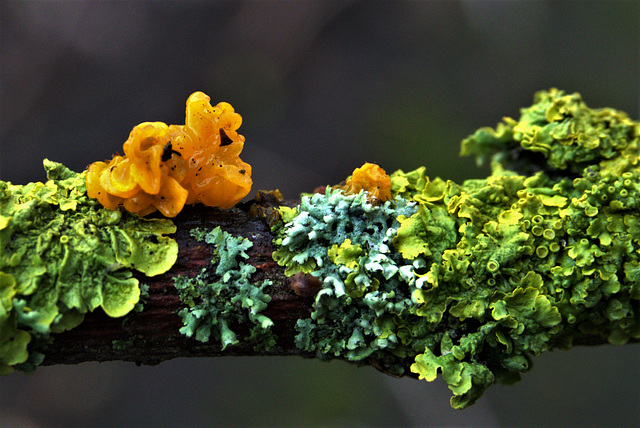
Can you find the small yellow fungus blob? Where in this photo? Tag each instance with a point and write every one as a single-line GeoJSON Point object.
{"type": "Point", "coordinates": [165, 167]}
{"type": "Point", "coordinates": [371, 178]}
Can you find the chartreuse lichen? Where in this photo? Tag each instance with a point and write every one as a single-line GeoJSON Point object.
{"type": "Point", "coordinates": [222, 294]}
{"type": "Point", "coordinates": [473, 279]}
{"type": "Point", "coordinates": [62, 255]}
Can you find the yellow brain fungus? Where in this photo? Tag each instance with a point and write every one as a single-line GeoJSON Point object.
{"type": "Point", "coordinates": [146, 178]}
{"type": "Point", "coordinates": [370, 178]}
{"type": "Point", "coordinates": [165, 167]}
{"type": "Point", "coordinates": [210, 143]}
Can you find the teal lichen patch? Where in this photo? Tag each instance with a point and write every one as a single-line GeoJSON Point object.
{"type": "Point", "coordinates": [346, 241]}
{"type": "Point", "coordinates": [471, 280]}
{"type": "Point", "coordinates": [144, 296]}
{"type": "Point", "coordinates": [223, 294]}
{"type": "Point", "coordinates": [62, 255]}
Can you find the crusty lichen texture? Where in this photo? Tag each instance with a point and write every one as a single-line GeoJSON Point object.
{"type": "Point", "coordinates": [63, 255]}
{"type": "Point", "coordinates": [165, 166]}
{"type": "Point", "coordinates": [473, 279]}
{"type": "Point", "coordinates": [222, 294]}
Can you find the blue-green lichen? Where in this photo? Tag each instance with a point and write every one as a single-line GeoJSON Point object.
{"type": "Point", "coordinates": [473, 279]}
{"type": "Point", "coordinates": [346, 241]}
{"type": "Point", "coordinates": [62, 255]}
{"type": "Point", "coordinates": [223, 294]}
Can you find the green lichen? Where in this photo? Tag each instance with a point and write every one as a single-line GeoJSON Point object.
{"type": "Point", "coordinates": [473, 279]}
{"type": "Point", "coordinates": [221, 296]}
{"type": "Point", "coordinates": [144, 296]}
{"type": "Point", "coordinates": [62, 255]}
{"type": "Point", "coordinates": [568, 134]}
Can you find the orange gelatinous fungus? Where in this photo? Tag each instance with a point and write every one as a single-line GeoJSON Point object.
{"type": "Point", "coordinates": [216, 176]}
{"type": "Point", "coordinates": [165, 167]}
{"type": "Point", "coordinates": [144, 149]}
{"type": "Point", "coordinates": [370, 178]}
{"type": "Point", "coordinates": [95, 189]}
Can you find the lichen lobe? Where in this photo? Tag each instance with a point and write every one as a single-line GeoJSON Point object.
{"type": "Point", "coordinates": [223, 294]}
{"type": "Point", "coordinates": [63, 255]}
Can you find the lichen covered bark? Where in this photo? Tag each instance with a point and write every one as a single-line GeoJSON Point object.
{"type": "Point", "coordinates": [62, 255]}
{"type": "Point", "coordinates": [411, 274]}
{"type": "Point", "coordinates": [472, 279]}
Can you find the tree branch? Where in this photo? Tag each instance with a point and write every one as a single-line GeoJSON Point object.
{"type": "Point", "coordinates": [411, 275]}
{"type": "Point", "coordinates": [152, 335]}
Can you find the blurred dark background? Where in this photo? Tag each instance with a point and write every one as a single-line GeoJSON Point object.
{"type": "Point", "coordinates": [322, 88]}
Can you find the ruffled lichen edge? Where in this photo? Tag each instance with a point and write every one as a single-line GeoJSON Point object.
{"type": "Point", "coordinates": [63, 255]}
{"type": "Point", "coordinates": [473, 279]}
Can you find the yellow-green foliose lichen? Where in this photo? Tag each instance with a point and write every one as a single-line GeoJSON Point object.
{"type": "Point", "coordinates": [473, 279]}
{"type": "Point", "coordinates": [223, 294]}
{"type": "Point", "coordinates": [62, 255]}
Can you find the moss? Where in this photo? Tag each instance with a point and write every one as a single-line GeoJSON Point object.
{"type": "Point", "coordinates": [222, 294]}
{"type": "Point", "coordinates": [62, 255]}
{"type": "Point", "coordinates": [122, 344]}
{"type": "Point", "coordinates": [473, 279]}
